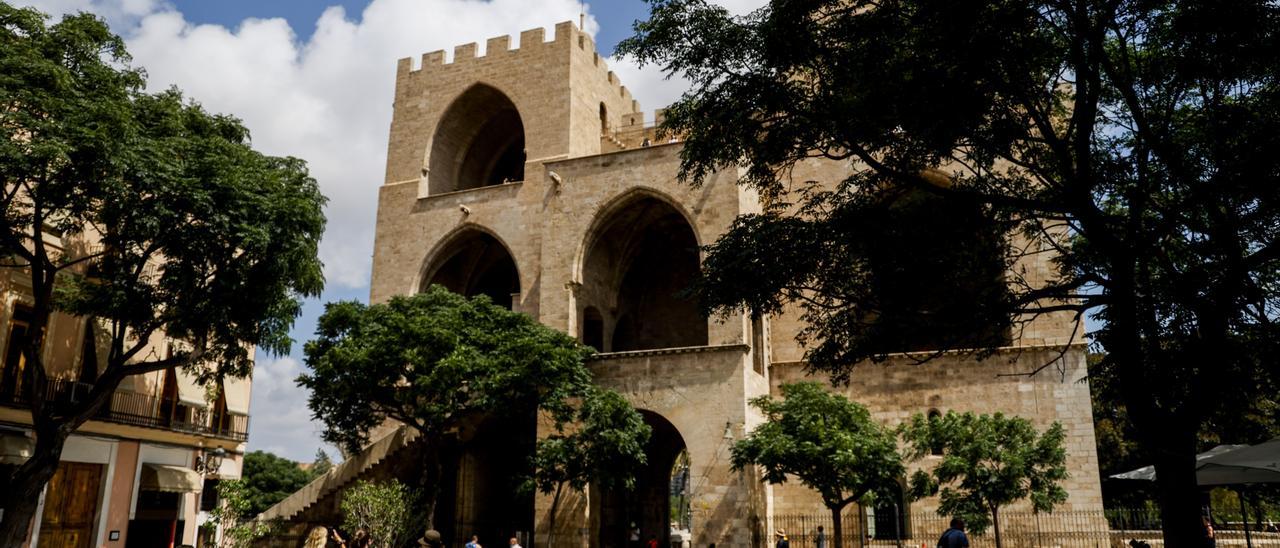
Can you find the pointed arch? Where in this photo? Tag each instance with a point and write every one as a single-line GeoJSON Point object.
{"type": "Point", "coordinates": [637, 262]}
{"type": "Point", "coordinates": [471, 261]}
{"type": "Point", "coordinates": [478, 141]}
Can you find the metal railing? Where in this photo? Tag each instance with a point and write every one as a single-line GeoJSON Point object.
{"type": "Point", "coordinates": [1077, 529]}
{"type": "Point", "coordinates": [136, 409]}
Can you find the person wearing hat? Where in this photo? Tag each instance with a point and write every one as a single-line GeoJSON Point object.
{"type": "Point", "coordinates": [782, 539]}
{"type": "Point", "coordinates": [431, 539]}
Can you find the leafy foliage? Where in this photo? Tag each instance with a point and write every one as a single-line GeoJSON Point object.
{"type": "Point", "coordinates": [1132, 140]}
{"type": "Point", "coordinates": [433, 359]}
{"type": "Point", "coordinates": [267, 479]}
{"type": "Point", "coordinates": [988, 461]}
{"type": "Point", "coordinates": [235, 514]}
{"type": "Point", "coordinates": [144, 212]}
{"type": "Point", "coordinates": [828, 443]}
{"type": "Point", "coordinates": [380, 510]}
{"type": "Point", "coordinates": [604, 445]}
{"type": "Point", "coordinates": [437, 359]}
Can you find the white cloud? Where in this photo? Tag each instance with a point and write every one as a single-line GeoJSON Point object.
{"type": "Point", "coordinates": [280, 421]}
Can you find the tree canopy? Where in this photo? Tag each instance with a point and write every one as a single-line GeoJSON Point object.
{"type": "Point", "coordinates": [1132, 141]}
{"type": "Point", "coordinates": [988, 461]}
{"type": "Point", "coordinates": [142, 213]}
{"type": "Point", "coordinates": [436, 360]}
{"type": "Point", "coordinates": [828, 443]}
{"type": "Point", "coordinates": [604, 447]}
{"type": "Point", "coordinates": [267, 479]}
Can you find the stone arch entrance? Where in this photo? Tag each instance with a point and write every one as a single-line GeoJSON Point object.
{"type": "Point", "coordinates": [639, 261]}
{"type": "Point", "coordinates": [494, 459]}
{"type": "Point", "coordinates": [479, 141]}
{"type": "Point", "coordinates": [473, 262]}
{"type": "Point", "coordinates": [660, 501]}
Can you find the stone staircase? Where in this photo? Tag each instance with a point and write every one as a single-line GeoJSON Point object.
{"type": "Point", "coordinates": [343, 474]}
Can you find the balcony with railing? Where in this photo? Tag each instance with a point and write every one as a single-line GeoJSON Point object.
{"type": "Point", "coordinates": [134, 409]}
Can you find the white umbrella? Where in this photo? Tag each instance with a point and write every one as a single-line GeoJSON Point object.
{"type": "Point", "coordinates": [1248, 464]}
{"type": "Point", "coordinates": [1148, 473]}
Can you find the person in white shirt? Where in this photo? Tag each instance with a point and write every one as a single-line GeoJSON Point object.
{"type": "Point", "coordinates": [515, 543]}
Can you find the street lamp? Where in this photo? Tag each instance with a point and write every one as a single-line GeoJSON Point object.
{"type": "Point", "coordinates": [210, 461]}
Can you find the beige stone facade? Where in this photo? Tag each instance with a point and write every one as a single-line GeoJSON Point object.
{"type": "Point", "coordinates": [529, 174]}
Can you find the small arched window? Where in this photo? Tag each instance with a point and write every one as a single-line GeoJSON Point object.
{"type": "Point", "coordinates": [935, 444]}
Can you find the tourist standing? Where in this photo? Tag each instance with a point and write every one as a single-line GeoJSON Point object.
{"type": "Point", "coordinates": [475, 542]}
{"type": "Point", "coordinates": [1209, 540]}
{"type": "Point", "coordinates": [782, 539]}
{"type": "Point", "coordinates": [431, 539]}
{"type": "Point", "coordinates": [514, 543]}
{"type": "Point", "coordinates": [954, 537]}
{"type": "Point", "coordinates": [821, 539]}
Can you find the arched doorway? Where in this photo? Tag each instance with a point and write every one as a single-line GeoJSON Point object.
{"type": "Point", "coordinates": [479, 141]}
{"type": "Point", "coordinates": [660, 502]}
{"type": "Point", "coordinates": [640, 260]}
{"type": "Point", "coordinates": [472, 263]}
{"type": "Point", "coordinates": [494, 459]}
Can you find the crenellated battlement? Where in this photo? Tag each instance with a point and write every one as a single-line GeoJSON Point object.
{"type": "Point", "coordinates": [533, 42]}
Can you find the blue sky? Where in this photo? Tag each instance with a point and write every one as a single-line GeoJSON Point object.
{"type": "Point", "coordinates": [614, 16]}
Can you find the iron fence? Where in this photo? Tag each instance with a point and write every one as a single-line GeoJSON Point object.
{"type": "Point", "coordinates": [138, 410]}
{"type": "Point", "coordinates": [1079, 529]}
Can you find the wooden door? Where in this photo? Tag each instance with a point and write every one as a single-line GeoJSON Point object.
{"type": "Point", "coordinates": [71, 506]}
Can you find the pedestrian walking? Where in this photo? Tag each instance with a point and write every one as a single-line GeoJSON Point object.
{"type": "Point", "coordinates": [634, 536]}
{"type": "Point", "coordinates": [653, 542]}
{"type": "Point", "coordinates": [820, 540]}
{"type": "Point", "coordinates": [1209, 540]}
{"type": "Point", "coordinates": [954, 537]}
{"type": "Point", "coordinates": [782, 539]}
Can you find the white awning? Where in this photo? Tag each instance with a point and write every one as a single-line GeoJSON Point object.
{"type": "Point", "coordinates": [15, 449]}
{"type": "Point", "coordinates": [190, 392]}
{"type": "Point", "coordinates": [169, 478]}
{"type": "Point", "coordinates": [237, 394]}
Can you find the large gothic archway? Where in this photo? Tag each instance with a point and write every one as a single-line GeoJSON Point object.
{"type": "Point", "coordinates": [479, 141]}
{"type": "Point", "coordinates": [659, 503]}
{"type": "Point", "coordinates": [640, 260]}
{"type": "Point", "coordinates": [473, 262]}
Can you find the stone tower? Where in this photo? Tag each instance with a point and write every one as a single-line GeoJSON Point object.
{"type": "Point", "coordinates": [530, 175]}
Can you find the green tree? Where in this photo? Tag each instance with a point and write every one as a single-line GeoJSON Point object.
{"type": "Point", "coordinates": [144, 213]}
{"type": "Point", "coordinates": [1133, 140]}
{"type": "Point", "coordinates": [603, 447]}
{"type": "Point", "coordinates": [267, 479]}
{"type": "Point", "coordinates": [988, 461]}
{"type": "Point", "coordinates": [434, 361]}
{"type": "Point", "coordinates": [321, 465]}
{"type": "Point", "coordinates": [380, 510]}
{"type": "Point", "coordinates": [234, 513]}
{"type": "Point", "coordinates": [830, 444]}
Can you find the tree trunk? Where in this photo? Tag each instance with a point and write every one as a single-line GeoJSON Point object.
{"type": "Point", "coordinates": [995, 524]}
{"type": "Point", "coordinates": [1177, 491]}
{"type": "Point", "coordinates": [837, 528]}
{"type": "Point", "coordinates": [430, 482]}
{"type": "Point", "coordinates": [551, 520]}
{"type": "Point", "coordinates": [21, 497]}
